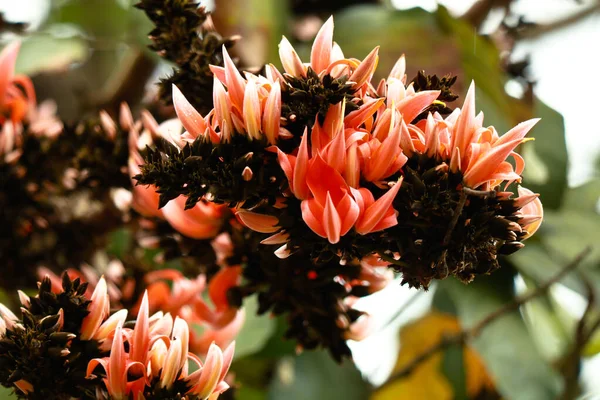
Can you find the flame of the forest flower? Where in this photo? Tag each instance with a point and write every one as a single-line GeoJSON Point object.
{"type": "Point", "coordinates": [14, 103]}
{"type": "Point", "coordinates": [7, 319]}
{"type": "Point", "coordinates": [209, 379]}
{"type": "Point", "coordinates": [145, 199]}
{"type": "Point", "coordinates": [250, 105]}
{"type": "Point", "coordinates": [123, 376]}
{"type": "Point", "coordinates": [99, 309]}
{"type": "Point", "coordinates": [531, 210]}
{"type": "Point", "coordinates": [183, 298]}
{"type": "Point", "coordinates": [376, 215]}
{"type": "Point", "coordinates": [332, 211]}
{"type": "Point", "coordinates": [17, 100]}
{"type": "Point", "coordinates": [203, 221]}
{"type": "Point", "coordinates": [477, 152]}
{"type": "Point", "coordinates": [258, 222]}
{"type": "Point", "coordinates": [326, 57]}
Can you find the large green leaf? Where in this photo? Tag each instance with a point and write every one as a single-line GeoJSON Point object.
{"type": "Point", "coordinates": [562, 236]}
{"type": "Point", "coordinates": [256, 332]}
{"type": "Point", "coordinates": [45, 52]}
{"type": "Point", "coordinates": [7, 394]}
{"type": "Point", "coordinates": [505, 345]}
{"type": "Point", "coordinates": [548, 326]}
{"type": "Point", "coordinates": [314, 375]}
{"type": "Point", "coordinates": [550, 149]}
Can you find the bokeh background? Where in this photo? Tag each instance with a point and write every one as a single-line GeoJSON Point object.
{"type": "Point", "coordinates": [529, 58]}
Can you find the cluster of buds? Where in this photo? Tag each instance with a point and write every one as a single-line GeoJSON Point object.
{"type": "Point", "coordinates": [67, 345]}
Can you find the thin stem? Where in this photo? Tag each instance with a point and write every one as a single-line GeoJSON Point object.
{"type": "Point", "coordinates": [473, 332]}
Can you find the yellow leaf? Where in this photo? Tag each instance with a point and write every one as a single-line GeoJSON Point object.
{"type": "Point", "coordinates": [427, 380]}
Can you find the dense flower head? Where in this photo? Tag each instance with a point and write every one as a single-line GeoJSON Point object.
{"type": "Point", "coordinates": [336, 170]}
{"type": "Point", "coordinates": [202, 221]}
{"type": "Point", "coordinates": [171, 292]}
{"type": "Point", "coordinates": [152, 361]}
{"type": "Point", "coordinates": [69, 343]}
{"type": "Point", "coordinates": [46, 350]}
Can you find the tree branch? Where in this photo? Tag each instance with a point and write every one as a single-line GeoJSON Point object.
{"type": "Point", "coordinates": [536, 30]}
{"type": "Point", "coordinates": [471, 333]}
{"type": "Point", "coordinates": [479, 11]}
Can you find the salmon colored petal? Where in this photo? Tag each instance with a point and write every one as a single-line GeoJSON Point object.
{"type": "Point", "coordinates": [259, 222]}
{"type": "Point", "coordinates": [234, 80]}
{"type": "Point", "coordinates": [278, 238]}
{"type": "Point", "coordinates": [349, 212]}
{"type": "Point", "coordinates": [272, 114]}
{"type": "Point", "coordinates": [399, 69]}
{"type": "Point", "coordinates": [312, 214]}
{"type": "Point", "coordinates": [352, 168]}
{"type": "Point", "coordinates": [98, 310]}
{"type": "Point", "coordinates": [320, 55]}
{"type": "Point", "coordinates": [219, 73]}
{"type": "Point", "coordinates": [465, 124]}
{"type": "Point", "coordinates": [377, 211]}
{"type": "Point", "coordinates": [211, 372]}
{"type": "Point", "coordinates": [140, 342]}
{"type": "Point", "coordinates": [332, 222]}
{"type": "Point", "coordinates": [300, 186]}
{"type": "Point", "coordinates": [336, 152]}
{"type": "Point", "coordinates": [532, 210]}
{"type": "Point", "coordinates": [287, 163]}
{"type": "Point", "coordinates": [518, 132]}
{"type": "Point", "coordinates": [412, 106]}
{"type": "Point", "coordinates": [481, 170]}
{"type": "Point", "coordinates": [290, 60]}
{"type": "Point", "coordinates": [8, 58]}
{"type": "Point", "coordinates": [321, 179]}
{"type": "Point", "coordinates": [227, 359]}
{"type": "Point", "coordinates": [252, 111]}
{"type": "Point", "coordinates": [357, 117]}
{"type": "Point", "coordinates": [222, 106]}
{"type": "Point", "coordinates": [223, 280]}
{"type": "Point", "coordinates": [365, 70]}
{"type": "Point", "coordinates": [191, 119]}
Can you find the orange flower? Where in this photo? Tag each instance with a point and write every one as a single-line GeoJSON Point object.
{"type": "Point", "coordinates": [169, 291]}
{"type": "Point", "coordinates": [326, 57]}
{"type": "Point", "coordinates": [531, 210]}
{"type": "Point", "coordinates": [14, 103]}
{"type": "Point", "coordinates": [203, 221]}
{"type": "Point", "coordinates": [123, 376]}
{"type": "Point", "coordinates": [471, 149]}
{"type": "Point", "coordinates": [249, 106]}
{"type": "Point", "coordinates": [332, 210]}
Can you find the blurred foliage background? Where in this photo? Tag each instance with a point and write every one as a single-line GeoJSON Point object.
{"type": "Point", "coordinates": [91, 54]}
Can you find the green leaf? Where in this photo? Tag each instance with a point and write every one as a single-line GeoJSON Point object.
{"type": "Point", "coordinates": [277, 346]}
{"type": "Point", "coordinates": [314, 375]}
{"type": "Point", "coordinates": [256, 331]}
{"type": "Point", "coordinates": [546, 323]}
{"type": "Point", "coordinates": [454, 369]}
{"type": "Point", "coordinates": [7, 394]}
{"type": "Point", "coordinates": [250, 393]}
{"type": "Point", "coordinates": [551, 149]}
{"type": "Point", "coordinates": [583, 198]}
{"type": "Point", "coordinates": [119, 243]}
{"type": "Point", "coordinates": [505, 345]}
{"type": "Point", "coordinates": [44, 52]}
